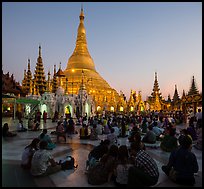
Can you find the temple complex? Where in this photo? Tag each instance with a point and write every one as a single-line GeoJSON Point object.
{"type": "Point", "coordinates": [80, 89]}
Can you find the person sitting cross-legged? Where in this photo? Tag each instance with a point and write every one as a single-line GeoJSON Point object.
{"type": "Point", "coordinates": [5, 131]}
{"type": "Point", "coordinates": [145, 171]}
{"type": "Point", "coordinates": [182, 163]}
{"type": "Point", "coordinates": [43, 163]}
{"type": "Point", "coordinates": [28, 152]}
{"type": "Point", "coordinates": [169, 141]}
{"type": "Point", "coordinates": [46, 137]}
{"type": "Point", "coordinates": [60, 131]}
{"type": "Point", "coordinates": [150, 136]}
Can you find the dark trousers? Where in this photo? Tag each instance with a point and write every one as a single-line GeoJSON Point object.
{"type": "Point", "coordinates": [137, 177]}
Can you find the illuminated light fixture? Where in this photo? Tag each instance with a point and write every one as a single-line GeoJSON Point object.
{"type": "Point", "coordinates": [121, 109]}
{"type": "Point", "coordinates": [112, 108]}
{"type": "Point", "coordinates": [98, 108]}
{"type": "Point", "coordinates": [131, 108]}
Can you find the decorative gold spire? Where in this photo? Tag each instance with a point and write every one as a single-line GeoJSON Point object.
{"type": "Point", "coordinates": [81, 59]}
{"type": "Point", "coordinates": [84, 70]}
{"type": "Point", "coordinates": [81, 17]}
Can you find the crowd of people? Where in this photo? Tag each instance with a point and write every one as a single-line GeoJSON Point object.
{"type": "Point", "coordinates": [125, 165]}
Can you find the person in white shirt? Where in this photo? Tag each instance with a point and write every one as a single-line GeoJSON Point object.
{"type": "Point", "coordinates": [43, 163]}
{"type": "Point", "coordinates": [28, 152]}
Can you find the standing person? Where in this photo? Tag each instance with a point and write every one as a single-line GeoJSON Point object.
{"type": "Point", "coordinates": [28, 152]}
{"type": "Point", "coordinates": [71, 126]}
{"type": "Point", "coordinates": [145, 170]}
{"type": "Point", "coordinates": [43, 163]}
{"type": "Point", "coordinates": [182, 163]}
{"type": "Point", "coordinates": [44, 116]}
{"type": "Point", "coordinates": [38, 116]}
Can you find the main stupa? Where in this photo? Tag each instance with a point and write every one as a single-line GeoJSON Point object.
{"type": "Point", "coordinates": [81, 70]}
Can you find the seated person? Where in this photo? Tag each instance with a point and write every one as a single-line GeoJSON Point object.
{"type": "Point", "coordinates": [97, 153]}
{"type": "Point", "coordinates": [46, 137]}
{"type": "Point", "coordinates": [123, 164]}
{"type": "Point", "coordinates": [137, 138]}
{"type": "Point", "coordinates": [157, 130]}
{"type": "Point", "coordinates": [94, 134]}
{"type": "Point", "coordinates": [20, 127]}
{"type": "Point", "coordinates": [199, 140]}
{"type": "Point", "coordinates": [60, 131]}
{"type": "Point", "coordinates": [28, 152]}
{"type": "Point", "coordinates": [116, 130]}
{"type": "Point", "coordinates": [84, 134]}
{"type": "Point", "coordinates": [6, 132]}
{"type": "Point", "coordinates": [112, 137]}
{"type": "Point", "coordinates": [99, 128]}
{"type": "Point", "coordinates": [182, 163]}
{"type": "Point", "coordinates": [43, 163]}
{"type": "Point", "coordinates": [36, 126]}
{"type": "Point", "coordinates": [191, 130]}
{"type": "Point", "coordinates": [30, 123]}
{"type": "Point", "coordinates": [145, 171]}
{"type": "Point", "coordinates": [106, 129]}
{"type": "Point", "coordinates": [169, 141]}
{"type": "Point", "coordinates": [134, 130]}
{"type": "Point", "coordinates": [150, 136]}
{"type": "Point", "coordinates": [103, 170]}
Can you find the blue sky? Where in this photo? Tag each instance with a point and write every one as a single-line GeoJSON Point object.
{"type": "Point", "coordinates": [128, 41]}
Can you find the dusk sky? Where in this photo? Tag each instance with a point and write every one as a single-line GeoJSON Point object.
{"type": "Point", "coordinates": [128, 41]}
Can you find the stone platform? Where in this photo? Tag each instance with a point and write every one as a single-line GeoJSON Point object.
{"type": "Point", "coordinates": [14, 176]}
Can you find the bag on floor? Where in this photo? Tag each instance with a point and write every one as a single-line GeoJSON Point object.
{"type": "Point", "coordinates": [68, 163]}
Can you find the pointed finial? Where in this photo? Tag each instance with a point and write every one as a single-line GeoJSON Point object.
{"type": "Point", "coordinates": [60, 66]}
{"type": "Point", "coordinates": [54, 69]}
{"type": "Point", "coordinates": [28, 64]}
{"type": "Point", "coordinates": [81, 17]}
{"type": "Point", "coordinates": [39, 50]}
{"type": "Point", "coordinates": [155, 75]}
{"type": "Point", "coordinates": [81, 7]}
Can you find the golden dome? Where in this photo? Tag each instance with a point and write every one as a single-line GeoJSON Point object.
{"type": "Point", "coordinates": [81, 66]}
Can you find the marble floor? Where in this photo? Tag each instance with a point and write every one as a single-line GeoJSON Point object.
{"type": "Point", "coordinates": [14, 176]}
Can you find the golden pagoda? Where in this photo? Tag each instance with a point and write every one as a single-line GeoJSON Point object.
{"type": "Point", "coordinates": [80, 64]}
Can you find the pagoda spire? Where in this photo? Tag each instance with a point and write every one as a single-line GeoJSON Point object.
{"type": "Point", "coordinates": [39, 51]}
{"type": "Point", "coordinates": [24, 80]}
{"type": "Point", "coordinates": [29, 79]}
{"type": "Point", "coordinates": [193, 90]}
{"type": "Point", "coordinates": [48, 82]}
{"type": "Point", "coordinates": [54, 81]}
{"type": "Point", "coordinates": [81, 58]}
{"type": "Point", "coordinates": [39, 75]}
{"type": "Point", "coordinates": [176, 96]}
{"type": "Point", "coordinates": [156, 87]}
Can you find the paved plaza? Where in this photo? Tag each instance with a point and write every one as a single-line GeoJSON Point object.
{"type": "Point", "coordinates": [14, 176]}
